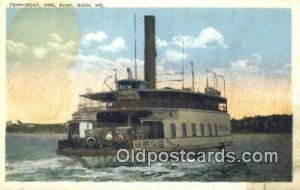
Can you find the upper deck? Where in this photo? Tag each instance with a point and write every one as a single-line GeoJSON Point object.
{"type": "Point", "coordinates": [134, 94]}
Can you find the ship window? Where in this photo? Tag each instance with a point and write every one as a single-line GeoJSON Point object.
{"type": "Point", "coordinates": [135, 85]}
{"type": "Point", "coordinates": [144, 86]}
{"type": "Point", "coordinates": [202, 129]}
{"type": "Point", "coordinates": [173, 131]}
{"type": "Point", "coordinates": [193, 129]}
{"type": "Point", "coordinates": [183, 127]}
{"type": "Point", "coordinates": [73, 130]}
{"type": "Point", "coordinates": [216, 129]}
{"type": "Point", "coordinates": [209, 129]}
{"type": "Point", "coordinates": [156, 130]}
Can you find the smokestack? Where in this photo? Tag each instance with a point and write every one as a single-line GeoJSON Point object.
{"type": "Point", "coordinates": [150, 52]}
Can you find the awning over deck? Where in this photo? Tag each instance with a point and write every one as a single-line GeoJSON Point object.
{"type": "Point", "coordinates": [101, 96]}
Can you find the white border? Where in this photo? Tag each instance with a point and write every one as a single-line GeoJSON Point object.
{"type": "Point", "coordinates": [293, 4]}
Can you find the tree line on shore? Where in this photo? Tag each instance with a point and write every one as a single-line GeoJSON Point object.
{"type": "Point", "coordinates": [21, 127]}
{"type": "Point", "coordinates": [263, 124]}
{"type": "Point", "coordinates": [256, 124]}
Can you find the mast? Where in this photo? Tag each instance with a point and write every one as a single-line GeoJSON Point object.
{"type": "Point", "coordinates": [135, 67]}
{"type": "Point", "coordinates": [182, 64]}
{"type": "Point", "coordinates": [193, 76]}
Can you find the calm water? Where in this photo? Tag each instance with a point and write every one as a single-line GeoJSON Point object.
{"type": "Point", "coordinates": [33, 158]}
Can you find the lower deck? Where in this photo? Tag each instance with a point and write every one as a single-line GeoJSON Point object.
{"type": "Point", "coordinates": [155, 145]}
{"type": "Point", "coordinates": [159, 130]}
{"type": "Point", "coordinates": [152, 124]}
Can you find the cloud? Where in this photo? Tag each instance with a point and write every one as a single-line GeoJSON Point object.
{"type": "Point", "coordinates": [86, 58]}
{"type": "Point", "coordinates": [88, 63]}
{"type": "Point", "coordinates": [240, 65]}
{"type": "Point", "coordinates": [54, 45]}
{"type": "Point", "coordinates": [59, 46]}
{"type": "Point", "coordinates": [288, 65]}
{"type": "Point", "coordinates": [96, 69]}
{"type": "Point", "coordinates": [39, 52]}
{"type": "Point", "coordinates": [53, 49]}
{"type": "Point", "coordinates": [94, 37]}
{"type": "Point", "coordinates": [56, 38]}
{"type": "Point", "coordinates": [161, 43]}
{"type": "Point", "coordinates": [208, 36]}
{"type": "Point", "coordinates": [256, 58]}
{"type": "Point", "coordinates": [63, 51]}
{"type": "Point", "coordinates": [43, 83]}
{"type": "Point", "coordinates": [172, 56]}
{"type": "Point", "coordinates": [219, 71]}
{"type": "Point", "coordinates": [116, 45]}
{"type": "Point", "coordinates": [160, 69]}
{"type": "Point", "coordinates": [251, 65]}
{"type": "Point", "coordinates": [16, 47]}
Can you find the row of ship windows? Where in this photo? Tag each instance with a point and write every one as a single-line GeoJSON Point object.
{"type": "Point", "coordinates": [194, 132]}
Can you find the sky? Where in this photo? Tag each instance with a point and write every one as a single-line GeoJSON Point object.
{"type": "Point", "coordinates": [53, 55]}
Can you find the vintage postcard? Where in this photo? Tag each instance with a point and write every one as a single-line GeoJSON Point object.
{"type": "Point", "coordinates": [148, 94]}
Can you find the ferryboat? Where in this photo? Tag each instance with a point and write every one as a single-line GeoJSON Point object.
{"type": "Point", "coordinates": [135, 115]}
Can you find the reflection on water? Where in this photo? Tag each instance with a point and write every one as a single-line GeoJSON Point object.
{"type": "Point", "coordinates": [33, 158]}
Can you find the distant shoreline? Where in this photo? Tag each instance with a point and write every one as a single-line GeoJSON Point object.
{"type": "Point", "coordinates": [272, 124]}
{"type": "Point", "coordinates": [41, 133]}
{"type": "Point", "coordinates": [31, 128]}
{"type": "Point", "coordinates": [244, 133]}
{"type": "Point", "coordinates": [275, 124]}
{"type": "Point", "coordinates": [34, 134]}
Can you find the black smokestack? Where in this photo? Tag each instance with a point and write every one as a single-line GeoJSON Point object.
{"type": "Point", "coordinates": [150, 52]}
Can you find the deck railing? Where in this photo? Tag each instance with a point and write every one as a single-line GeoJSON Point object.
{"type": "Point", "coordinates": [152, 104]}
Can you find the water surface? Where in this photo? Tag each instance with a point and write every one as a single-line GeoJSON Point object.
{"type": "Point", "coordinates": [32, 157]}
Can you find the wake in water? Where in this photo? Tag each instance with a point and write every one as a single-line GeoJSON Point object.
{"type": "Point", "coordinates": [33, 158]}
{"type": "Point", "coordinates": [66, 169]}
